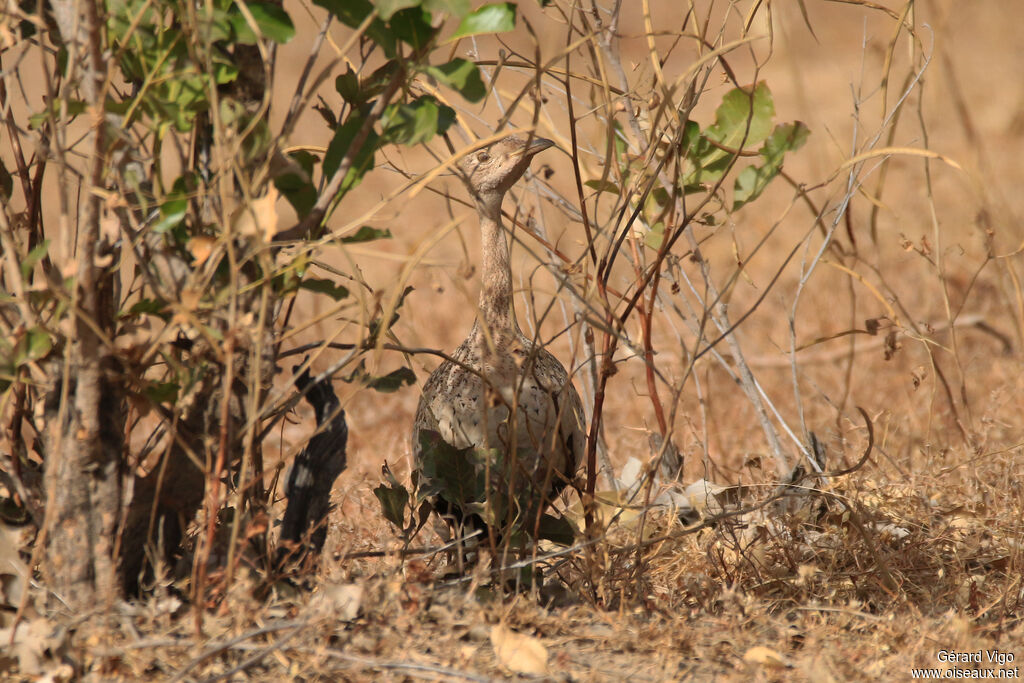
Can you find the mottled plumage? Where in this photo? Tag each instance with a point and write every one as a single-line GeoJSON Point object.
{"type": "Point", "coordinates": [500, 390]}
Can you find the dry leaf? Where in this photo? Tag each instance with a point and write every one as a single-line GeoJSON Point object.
{"type": "Point", "coordinates": [259, 218]}
{"type": "Point", "coordinates": [519, 653]}
{"type": "Point", "coordinates": [36, 645]}
{"type": "Point", "coordinates": [201, 247]}
{"type": "Point", "coordinates": [13, 572]}
{"type": "Point", "coordinates": [767, 657]}
{"type": "Point", "coordinates": [342, 600]}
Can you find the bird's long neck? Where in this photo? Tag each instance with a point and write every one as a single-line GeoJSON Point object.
{"type": "Point", "coordinates": [497, 310]}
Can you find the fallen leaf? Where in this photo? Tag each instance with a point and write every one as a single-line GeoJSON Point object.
{"type": "Point", "coordinates": [35, 644]}
{"type": "Point", "coordinates": [767, 657]}
{"type": "Point", "coordinates": [201, 247]}
{"type": "Point", "coordinates": [13, 572]}
{"type": "Point", "coordinates": [342, 600]}
{"type": "Point", "coordinates": [519, 653]}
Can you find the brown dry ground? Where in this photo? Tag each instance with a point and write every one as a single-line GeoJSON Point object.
{"type": "Point", "coordinates": [930, 558]}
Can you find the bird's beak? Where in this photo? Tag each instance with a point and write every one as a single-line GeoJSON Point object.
{"type": "Point", "coordinates": [536, 145]}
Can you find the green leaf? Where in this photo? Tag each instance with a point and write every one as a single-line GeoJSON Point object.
{"type": "Point", "coordinates": [367, 234]}
{"type": "Point", "coordinates": [458, 8]}
{"type": "Point", "coordinates": [162, 392]}
{"type": "Point", "coordinates": [172, 213]}
{"type": "Point", "coordinates": [461, 75]}
{"type": "Point", "coordinates": [32, 258]}
{"type": "Point", "coordinates": [273, 21]}
{"type": "Point", "coordinates": [787, 137]}
{"type": "Point", "coordinates": [744, 119]}
{"type": "Point", "coordinates": [32, 346]}
{"type": "Point", "coordinates": [386, 8]}
{"type": "Point", "coordinates": [495, 18]}
{"type": "Point", "coordinates": [296, 183]}
{"type": "Point", "coordinates": [155, 307]}
{"type": "Point", "coordinates": [655, 236]}
{"type": "Point", "coordinates": [659, 196]}
{"type": "Point", "coordinates": [388, 383]}
{"type": "Point", "coordinates": [605, 186]}
{"type": "Point", "coordinates": [556, 529]}
{"type": "Point", "coordinates": [451, 471]}
{"type": "Point", "coordinates": [619, 139]}
{"type": "Point", "coordinates": [322, 286]}
{"type": "Point", "coordinates": [691, 138]}
{"type": "Point", "coordinates": [753, 180]}
{"type": "Point", "coordinates": [347, 85]}
{"type": "Point", "coordinates": [413, 26]}
{"type": "Point", "coordinates": [707, 174]}
{"type": "Point", "coordinates": [75, 107]}
{"type": "Point", "coordinates": [288, 279]}
{"type": "Point", "coordinates": [6, 184]}
{"type": "Point", "coordinates": [363, 160]}
{"type": "Point", "coordinates": [370, 86]}
{"type": "Point", "coordinates": [352, 13]}
{"type": "Point", "coordinates": [393, 381]}
{"type": "Point", "coordinates": [393, 501]}
{"type": "Point", "coordinates": [416, 122]}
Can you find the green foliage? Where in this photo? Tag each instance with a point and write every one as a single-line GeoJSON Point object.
{"type": "Point", "coordinates": [412, 26]}
{"type": "Point", "coordinates": [393, 497]}
{"type": "Point", "coordinates": [386, 384]}
{"type": "Point", "coordinates": [456, 8]}
{"type": "Point", "coordinates": [387, 8]}
{"type": "Point", "coordinates": [743, 121]}
{"type": "Point", "coordinates": [322, 286]}
{"type": "Point", "coordinates": [393, 381]}
{"type": "Point", "coordinates": [496, 18]}
{"type": "Point", "coordinates": [451, 473]}
{"type": "Point", "coordinates": [367, 234]}
{"type": "Point", "coordinates": [296, 184]}
{"type": "Point", "coordinates": [154, 53]}
{"type": "Point", "coordinates": [353, 13]}
{"type": "Point", "coordinates": [6, 183]}
{"type": "Point", "coordinates": [32, 258]}
{"type": "Point", "coordinates": [157, 307]}
{"type": "Point", "coordinates": [603, 186]}
{"type": "Point", "coordinates": [273, 22]}
{"type": "Point", "coordinates": [362, 160]}
{"type": "Point", "coordinates": [72, 109]}
{"type": "Point", "coordinates": [556, 529]}
{"type": "Point", "coordinates": [161, 392]}
{"type": "Point", "coordinates": [172, 213]}
{"type": "Point", "coordinates": [393, 501]}
{"type": "Point", "coordinates": [31, 345]}
{"type": "Point", "coordinates": [460, 75]}
{"type": "Point", "coordinates": [753, 180]}
{"type": "Point", "coordinates": [416, 122]}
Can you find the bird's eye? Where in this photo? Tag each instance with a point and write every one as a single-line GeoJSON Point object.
{"type": "Point", "coordinates": [483, 157]}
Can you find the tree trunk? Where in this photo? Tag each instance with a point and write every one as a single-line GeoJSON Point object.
{"type": "Point", "coordinates": [85, 411]}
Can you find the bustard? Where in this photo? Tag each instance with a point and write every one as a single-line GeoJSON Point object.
{"type": "Point", "coordinates": [503, 405]}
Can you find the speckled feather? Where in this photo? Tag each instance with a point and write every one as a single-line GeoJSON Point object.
{"type": "Point", "coordinates": [522, 380]}
{"type": "Point", "coordinates": [500, 390]}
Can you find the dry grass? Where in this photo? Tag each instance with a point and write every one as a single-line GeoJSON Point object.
{"type": "Point", "coordinates": [872, 574]}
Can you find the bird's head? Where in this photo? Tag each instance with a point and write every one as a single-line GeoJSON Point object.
{"type": "Point", "coordinates": [490, 171]}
